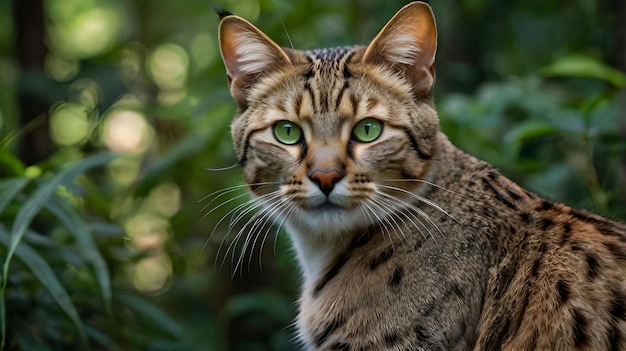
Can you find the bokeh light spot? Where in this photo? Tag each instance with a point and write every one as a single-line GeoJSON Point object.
{"type": "Point", "coordinates": [86, 91]}
{"type": "Point", "coordinates": [91, 31]}
{"type": "Point", "coordinates": [168, 66]}
{"type": "Point", "coordinates": [60, 68]}
{"type": "Point", "coordinates": [148, 233]}
{"type": "Point", "coordinates": [124, 170]}
{"type": "Point", "coordinates": [167, 199]}
{"type": "Point", "coordinates": [131, 60]}
{"type": "Point", "coordinates": [127, 131]}
{"type": "Point", "coordinates": [152, 274]}
{"type": "Point", "coordinates": [70, 124]}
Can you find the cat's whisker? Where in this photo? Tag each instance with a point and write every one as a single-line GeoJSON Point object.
{"type": "Point", "coordinates": [422, 199]}
{"type": "Point", "coordinates": [390, 210]}
{"type": "Point", "coordinates": [252, 203]}
{"type": "Point", "coordinates": [235, 241]}
{"type": "Point", "coordinates": [372, 206]}
{"type": "Point", "coordinates": [412, 208]}
{"type": "Point", "coordinates": [287, 34]}
{"type": "Point", "coordinates": [264, 221]}
{"type": "Point", "coordinates": [383, 222]}
{"type": "Point", "coordinates": [290, 210]}
{"type": "Point", "coordinates": [278, 212]}
{"type": "Point", "coordinates": [228, 168]}
{"type": "Point", "coordinates": [254, 226]}
{"type": "Point", "coordinates": [232, 199]}
{"type": "Point", "coordinates": [244, 209]}
{"type": "Point", "coordinates": [259, 221]}
{"type": "Point", "coordinates": [217, 196]}
{"type": "Point", "coordinates": [249, 203]}
{"type": "Point", "coordinates": [280, 226]}
{"type": "Point", "coordinates": [424, 182]}
{"type": "Point", "coordinates": [367, 214]}
{"type": "Point", "coordinates": [394, 209]}
{"type": "Point", "coordinates": [409, 215]}
{"type": "Point", "coordinates": [265, 199]}
{"type": "Point", "coordinates": [221, 192]}
{"type": "Point", "coordinates": [251, 221]}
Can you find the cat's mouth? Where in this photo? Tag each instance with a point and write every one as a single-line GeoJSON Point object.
{"type": "Point", "coordinates": [325, 206]}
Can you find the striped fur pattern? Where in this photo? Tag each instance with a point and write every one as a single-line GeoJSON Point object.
{"type": "Point", "coordinates": [404, 241]}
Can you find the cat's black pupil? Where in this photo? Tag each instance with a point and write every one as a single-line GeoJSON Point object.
{"type": "Point", "coordinates": [367, 128]}
{"type": "Point", "coordinates": [288, 129]}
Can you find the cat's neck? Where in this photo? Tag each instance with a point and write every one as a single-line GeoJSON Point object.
{"type": "Point", "coordinates": [314, 251]}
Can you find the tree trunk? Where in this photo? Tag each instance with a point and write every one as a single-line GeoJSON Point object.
{"type": "Point", "coordinates": [36, 144]}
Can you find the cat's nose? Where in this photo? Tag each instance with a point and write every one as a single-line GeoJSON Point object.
{"type": "Point", "coordinates": [325, 179]}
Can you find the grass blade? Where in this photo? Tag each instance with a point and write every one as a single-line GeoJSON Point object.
{"type": "Point", "coordinates": [34, 204]}
{"type": "Point", "coordinates": [40, 268]}
{"type": "Point", "coordinates": [9, 188]}
{"type": "Point", "coordinates": [150, 311]}
{"type": "Point", "coordinates": [78, 227]}
{"type": "Point", "coordinates": [30, 208]}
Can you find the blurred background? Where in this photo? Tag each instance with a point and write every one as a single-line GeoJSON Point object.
{"type": "Point", "coordinates": [114, 118]}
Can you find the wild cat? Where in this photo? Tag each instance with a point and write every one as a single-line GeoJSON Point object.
{"type": "Point", "coordinates": [406, 242]}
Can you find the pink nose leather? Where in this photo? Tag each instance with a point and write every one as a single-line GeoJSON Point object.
{"type": "Point", "coordinates": [325, 179]}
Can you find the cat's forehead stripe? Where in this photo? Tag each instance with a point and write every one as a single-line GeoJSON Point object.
{"type": "Point", "coordinates": [327, 79]}
{"type": "Point", "coordinates": [330, 55]}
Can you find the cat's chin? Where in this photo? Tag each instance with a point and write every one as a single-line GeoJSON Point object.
{"type": "Point", "coordinates": [328, 220]}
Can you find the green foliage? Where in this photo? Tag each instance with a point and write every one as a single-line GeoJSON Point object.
{"type": "Point", "coordinates": [125, 253]}
{"type": "Point", "coordinates": [562, 143]}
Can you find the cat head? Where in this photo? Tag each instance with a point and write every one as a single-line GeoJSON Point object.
{"type": "Point", "coordinates": [339, 138]}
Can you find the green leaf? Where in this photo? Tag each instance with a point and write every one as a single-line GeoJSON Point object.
{"type": "Point", "coordinates": [79, 228]}
{"type": "Point", "coordinates": [31, 207]}
{"type": "Point", "coordinates": [8, 189]}
{"type": "Point", "coordinates": [10, 164]}
{"type": "Point", "coordinates": [40, 268]}
{"type": "Point", "coordinates": [150, 311]}
{"type": "Point", "coordinates": [34, 204]}
{"type": "Point", "coordinates": [530, 130]}
{"type": "Point", "coordinates": [584, 67]}
{"type": "Point", "coordinates": [101, 338]}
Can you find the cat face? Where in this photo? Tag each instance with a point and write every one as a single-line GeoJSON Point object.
{"type": "Point", "coordinates": [338, 138]}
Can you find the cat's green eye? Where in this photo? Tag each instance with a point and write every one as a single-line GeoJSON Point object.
{"type": "Point", "coordinates": [287, 132]}
{"type": "Point", "coordinates": [367, 130]}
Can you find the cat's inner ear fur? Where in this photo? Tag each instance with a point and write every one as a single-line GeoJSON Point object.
{"type": "Point", "coordinates": [408, 43]}
{"type": "Point", "coordinates": [247, 53]}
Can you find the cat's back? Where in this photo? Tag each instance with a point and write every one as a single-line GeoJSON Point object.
{"type": "Point", "coordinates": [558, 280]}
{"type": "Point", "coordinates": [560, 284]}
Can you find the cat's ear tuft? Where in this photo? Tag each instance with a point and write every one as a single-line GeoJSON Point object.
{"type": "Point", "coordinates": [247, 53]}
{"type": "Point", "coordinates": [222, 12]}
{"type": "Point", "coordinates": [408, 42]}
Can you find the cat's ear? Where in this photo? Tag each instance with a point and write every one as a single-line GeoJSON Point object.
{"type": "Point", "coordinates": [408, 43]}
{"type": "Point", "coordinates": [247, 53]}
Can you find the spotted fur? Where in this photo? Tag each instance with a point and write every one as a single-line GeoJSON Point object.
{"type": "Point", "coordinates": [405, 242]}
